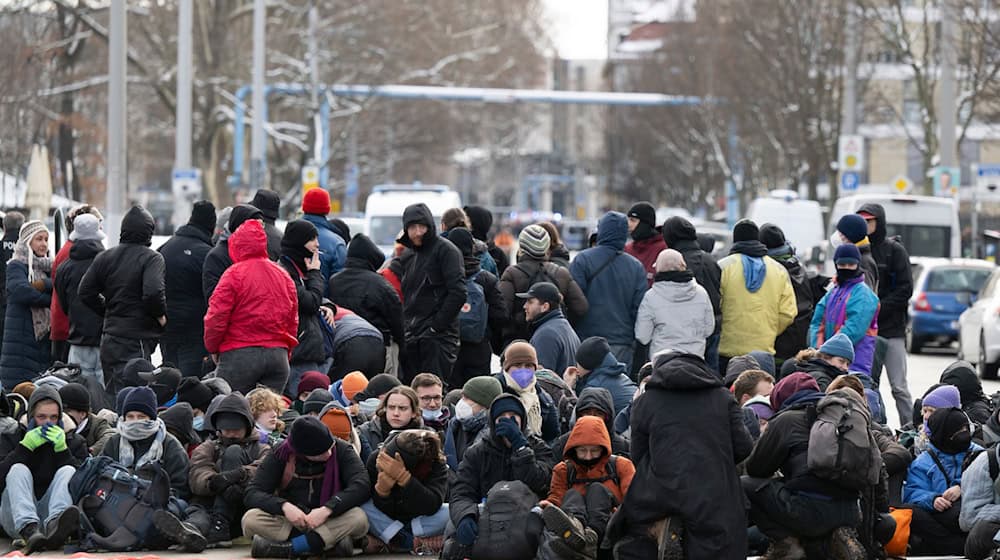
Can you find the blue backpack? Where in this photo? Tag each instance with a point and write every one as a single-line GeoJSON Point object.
{"type": "Point", "coordinates": [473, 318]}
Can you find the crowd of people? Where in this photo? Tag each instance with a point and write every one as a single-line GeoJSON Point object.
{"type": "Point", "coordinates": [316, 397]}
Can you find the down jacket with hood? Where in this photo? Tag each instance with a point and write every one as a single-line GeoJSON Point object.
{"type": "Point", "coordinates": [433, 280]}
{"type": "Point", "coordinates": [614, 293]}
{"type": "Point", "coordinates": [428, 486]}
{"type": "Point", "coordinates": [126, 284]}
{"type": "Point", "coordinates": [517, 279]}
{"type": "Point", "coordinates": [85, 326]}
{"type": "Point", "coordinates": [675, 315]}
{"type": "Point", "coordinates": [360, 288]}
{"type": "Point", "coordinates": [681, 236]}
{"type": "Point", "coordinates": [490, 460]}
{"type": "Point", "coordinates": [205, 459]}
{"type": "Point", "coordinates": [589, 430]}
{"type": "Point", "coordinates": [758, 303]}
{"type": "Point", "coordinates": [184, 256]}
{"type": "Point", "coordinates": [962, 375]}
{"type": "Point", "coordinates": [851, 309]}
{"type": "Point", "coordinates": [895, 279]}
{"type": "Point", "coordinates": [254, 303]}
{"type": "Point", "coordinates": [596, 398]}
{"type": "Point", "coordinates": [684, 397]}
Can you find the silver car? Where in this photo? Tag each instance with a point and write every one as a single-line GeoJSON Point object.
{"type": "Point", "coordinates": [979, 329]}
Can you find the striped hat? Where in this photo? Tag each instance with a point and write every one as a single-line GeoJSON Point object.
{"type": "Point", "coordinates": [534, 241]}
{"type": "Point", "coordinates": [29, 230]}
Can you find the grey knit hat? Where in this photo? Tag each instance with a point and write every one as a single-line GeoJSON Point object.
{"type": "Point", "coordinates": [534, 241]}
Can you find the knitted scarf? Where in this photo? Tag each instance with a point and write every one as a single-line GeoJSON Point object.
{"type": "Point", "coordinates": [331, 473]}
{"type": "Point", "coordinates": [39, 268]}
{"type": "Point", "coordinates": [140, 430]}
{"type": "Point", "coordinates": [529, 397]}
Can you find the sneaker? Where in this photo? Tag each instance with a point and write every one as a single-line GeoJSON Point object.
{"type": "Point", "coordinates": [670, 542]}
{"type": "Point", "coordinates": [60, 529]}
{"type": "Point", "coordinates": [374, 545]}
{"type": "Point", "coordinates": [844, 545]}
{"type": "Point", "coordinates": [427, 546]}
{"type": "Point", "coordinates": [184, 534]}
{"type": "Point", "coordinates": [565, 527]}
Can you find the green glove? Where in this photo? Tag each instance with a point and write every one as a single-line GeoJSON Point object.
{"type": "Point", "coordinates": [34, 439]}
{"type": "Point", "coordinates": [56, 436]}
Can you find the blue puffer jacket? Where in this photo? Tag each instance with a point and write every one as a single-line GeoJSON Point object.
{"type": "Point", "coordinates": [611, 375]}
{"type": "Point", "coordinates": [23, 356]}
{"type": "Point", "coordinates": [614, 293]}
{"type": "Point", "coordinates": [925, 481]}
{"type": "Point", "coordinates": [332, 249]}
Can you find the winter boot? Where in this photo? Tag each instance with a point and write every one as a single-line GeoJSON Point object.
{"type": "Point", "coordinates": [788, 548]}
{"type": "Point", "coordinates": [454, 550]}
{"type": "Point", "coordinates": [566, 527]}
{"type": "Point", "coordinates": [32, 540]}
{"type": "Point", "coordinates": [184, 534]}
{"type": "Point", "coordinates": [266, 548]}
{"type": "Point", "coordinates": [669, 538]}
{"type": "Point", "coordinates": [845, 545]}
{"type": "Point", "coordinates": [61, 528]}
{"type": "Point", "coordinates": [218, 534]}
{"type": "Point", "coordinates": [428, 546]}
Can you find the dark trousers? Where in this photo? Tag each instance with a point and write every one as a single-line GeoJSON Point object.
{"type": "Point", "coordinates": [936, 532]}
{"type": "Point", "coordinates": [473, 360]}
{"type": "Point", "coordinates": [593, 509]}
{"type": "Point", "coordinates": [362, 353]}
{"type": "Point", "coordinates": [187, 355]}
{"type": "Point", "coordinates": [979, 545]}
{"type": "Point", "coordinates": [435, 355]}
{"type": "Point", "coordinates": [227, 505]}
{"type": "Point", "coordinates": [246, 368]}
{"type": "Point", "coordinates": [60, 351]}
{"type": "Point", "coordinates": [116, 351]}
{"type": "Point", "coordinates": [712, 352]}
{"type": "Point", "coordinates": [780, 513]}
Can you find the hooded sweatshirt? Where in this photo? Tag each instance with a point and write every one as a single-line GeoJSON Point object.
{"type": "Point", "coordinates": [204, 460]}
{"type": "Point", "coordinates": [962, 375]}
{"type": "Point", "coordinates": [85, 326]}
{"type": "Point", "coordinates": [360, 288]}
{"type": "Point", "coordinates": [895, 279]}
{"type": "Point", "coordinates": [589, 430]}
{"type": "Point", "coordinates": [757, 304]}
{"type": "Point", "coordinates": [675, 314]}
{"type": "Point", "coordinates": [595, 398]}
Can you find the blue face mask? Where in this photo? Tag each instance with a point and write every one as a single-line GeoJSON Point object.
{"type": "Point", "coordinates": [522, 376]}
{"type": "Point", "coordinates": [199, 423]}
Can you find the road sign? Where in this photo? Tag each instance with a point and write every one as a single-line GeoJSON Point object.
{"type": "Point", "coordinates": [849, 181]}
{"type": "Point", "coordinates": [310, 177]}
{"type": "Point", "coordinates": [987, 175]}
{"type": "Point", "coordinates": [186, 183]}
{"type": "Point", "coordinates": [851, 153]}
{"type": "Point", "coordinates": [902, 184]}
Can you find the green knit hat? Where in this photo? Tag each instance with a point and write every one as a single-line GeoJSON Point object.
{"type": "Point", "coordinates": [482, 390]}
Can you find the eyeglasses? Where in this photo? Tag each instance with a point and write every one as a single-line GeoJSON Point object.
{"type": "Point", "coordinates": [431, 398]}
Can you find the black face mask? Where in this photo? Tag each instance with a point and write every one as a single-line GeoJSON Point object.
{"type": "Point", "coordinates": [589, 463]}
{"type": "Point", "coordinates": [643, 231]}
{"type": "Point", "coordinates": [845, 275]}
{"type": "Point", "coordinates": [957, 443]}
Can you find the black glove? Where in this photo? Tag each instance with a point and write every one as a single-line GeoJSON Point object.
{"type": "Point", "coordinates": [225, 479]}
{"type": "Point", "coordinates": [233, 495]}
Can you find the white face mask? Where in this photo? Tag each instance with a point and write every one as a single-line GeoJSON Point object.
{"type": "Point", "coordinates": [368, 406]}
{"type": "Point", "coordinates": [431, 414]}
{"type": "Point", "coordinates": [837, 239]}
{"type": "Point", "coordinates": [463, 409]}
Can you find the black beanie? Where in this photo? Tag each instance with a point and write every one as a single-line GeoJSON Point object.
{"type": "Point", "coordinates": [316, 400]}
{"type": "Point", "coordinates": [242, 213]}
{"type": "Point", "coordinates": [644, 212]}
{"type": "Point", "coordinates": [341, 228]}
{"type": "Point", "coordinates": [203, 216]}
{"type": "Point", "coordinates": [269, 203]}
{"type": "Point", "coordinates": [310, 437]}
{"type": "Point", "coordinates": [75, 397]}
{"type": "Point", "coordinates": [195, 393]}
{"type": "Point", "coordinates": [378, 386]}
{"type": "Point", "coordinates": [771, 236]}
{"type": "Point", "coordinates": [677, 228]}
{"type": "Point", "coordinates": [480, 220]}
{"type": "Point", "coordinates": [297, 234]}
{"type": "Point", "coordinates": [745, 230]}
{"type": "Point", "coordinates": [462, 238]}
{"type": "Point", "coordinates": [591, 352]}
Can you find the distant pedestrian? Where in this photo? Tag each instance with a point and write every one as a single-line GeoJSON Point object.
{"type": "Point", "coordinates": [12, 222]}
{"type": "Point", "coordinates": [333, 250]}
{"type": "Point", "coordinates": [269, 203]}
{"type": "Point", "coordinates": [647, 242]}
{"type": "Point", "coordinates": [29, 293]}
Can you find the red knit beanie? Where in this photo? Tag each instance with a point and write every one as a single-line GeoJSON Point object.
{"type": "Point", "coordinates": [316, 201]}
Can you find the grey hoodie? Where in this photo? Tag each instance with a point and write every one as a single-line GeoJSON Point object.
{"type": "Point", "coordinates": [675, 316]}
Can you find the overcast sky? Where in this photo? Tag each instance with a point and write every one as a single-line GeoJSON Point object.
{"type": "Point", "coordinates": [578, 27]}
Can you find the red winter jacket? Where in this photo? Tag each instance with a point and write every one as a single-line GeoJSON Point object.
{"type": "Point", "coordinates": [59, 320]}
{"type": "Point", "coordinates": [646, 251]}
{"type": "Point", "coordinates": [254, 303]}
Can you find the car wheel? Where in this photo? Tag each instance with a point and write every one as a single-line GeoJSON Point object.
{"type": "Point", "coordinates": [986, 369]}
{"type": "Point", "coordinates": [914, 344]}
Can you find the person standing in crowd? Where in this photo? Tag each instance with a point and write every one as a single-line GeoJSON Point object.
{"type": "Point", "coordinates": [647, 241]}
{"type": "Point", "coordinates": [269, 204]}
{"type": "Point", "coordinates": [895, 286]}
{"type": "Point", "coordinates": [456, 218]}
{"type": "Point", "coordinates": [480, 222]}
{"type": "Point", "coordinates": [758, 302]}
{"type": "Point", "coordinates": [558, 253]}
{"type": "Point", "coordinates": [252, 316]}
{"type": "Point", "coordinates": [12, 222]}
{"type": "Point", "coordinates": [676, 313]}
{"type": "Point", "coordinates": [434, 291]}
{"type": "Point", "coordinates": [597, 366]}
{"type": "Point", "coordinates": [85, 326]}
{"type": "Point", "coordinates": [852, 228]}
{"type": "Point", "coordinates": [681, 236]}
{"type": "Point", "coordinates": [218, 259]}
{"type": "Point", "coordinates": [59, 334]}
{"type": "Point", "coordinates": [184, 258]}
{"type": "Point", "coordinates": [471, 421]}
{"type": "Point", "coordinates": [332, 249]}
{"type": "Point", "coordinates": [551, 334]}
{"type": "Point", "coordinates": [475, 350]}
{"type": "Point", "coordinates": [614, 283]}
{"type": "Point", "coordinates": [850, 308]}
{"type": "Point", "coordinates": [126, 285]}
{"type": "Point", "coordinates": [531, 268]}
{"type": "Point", "coordinates": [793, 339]}
{"type": "Point", "coordinates": [300, 259]}
{"type": "Point", "coordinates": [29, 294]}
{"type": "Point", "coordinates": [360, 288]}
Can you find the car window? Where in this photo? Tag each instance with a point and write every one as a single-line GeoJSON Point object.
{"type": "Point", "coordinates": [989, 287]}
{"type": "Point", "coordinates": [957, 279]}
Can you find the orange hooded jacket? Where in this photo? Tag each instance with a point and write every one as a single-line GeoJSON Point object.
{"type": "Point", "coordinates": [590, 430]}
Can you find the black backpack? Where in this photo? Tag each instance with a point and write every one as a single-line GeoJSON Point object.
{"type": "Point", "coordinates": [562, 396]}
{"type": "Point", "coordinates": [507, 528]}
{"type": "Point", "coordinates": [991, 456]}
{"type": "Point", "coordinates": [610, 473]}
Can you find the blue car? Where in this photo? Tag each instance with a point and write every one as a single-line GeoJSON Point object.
{"type": "Point", "coordinates": [942, 290]}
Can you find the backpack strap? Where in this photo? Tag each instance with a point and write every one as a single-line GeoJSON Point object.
{"type": "Point", "coordinates": [994, 462]}
{"type": "Point", "coordinates": [606, 264]}
{"type": "Point", "coordinates": [610, 473]}
{"type": "Point", "coordinates": [937, 461]}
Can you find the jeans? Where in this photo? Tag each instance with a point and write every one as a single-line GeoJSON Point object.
{"type": "Point", "coordinates": [295, 372]}
{"type": "Point", "coordinates": [89, 360]}
{"type": "Point", "coordinates": [779, 512]}
{"type": "Point", "coordinates": [245, 368]}
{"type": "Point", "coordinates": [18, 506]}
{"type": "Point", "coordinates": [385, 527]}
{"type": "Point", "coordinates": [712, 353]}
{"type": "Point", "coordinates": [188, 356]}
{"type": "Point", "coordinates": [895, 367]}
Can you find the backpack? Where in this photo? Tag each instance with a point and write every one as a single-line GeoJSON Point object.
{"type": "Point", "coordinates": [610, 473]}
{"type": "Point", "coordinates": [842, 448]}
{"type": "Point", "coordinates": [991, 456]}
{"type": "Point", "coordinates": [546, 272]}
{"type": "Point", "coordinates": [472, 321]}
{"type": "Point", "coordinates": [507, 528]}
{"type": "Point", "coordinates": [111, 498]}
{"type": "Point", "coordinates": [562, 396]}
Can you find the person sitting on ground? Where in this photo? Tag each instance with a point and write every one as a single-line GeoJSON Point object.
{"type": "Point", "coordinates": [179, 419]}
{"type": "Point", "coordinates": [595, 401]}
{"type": "Point", "coordinates": [597, 366]}
{"type": "Point", "coordinates": [963, 375]}
{"type": "Point", "coordinates": [344, 390]}
{"type": "Point", "coordinates": [338, 420]}
{"type": "Point", "coordinates": [471, 421]}
{"type": "Point", "coordinates": [518, 378]}
{"type": "Point", "coordinates": [94, 430]}
{"type": "Point", "coordinates": [430, 394]}
{"type": "Point", "coordinates": [199, 395]}
{"type": "Point", "coordinates": [305, 498]}
{"type": "Point", "coordinates": [762, 411]}
{"type": "Point", "coordinates": [580, 503]}
{"type": "Point", "coordinates": [318, 398]}
{"type": "Point", "coordinates": [980, 508]}
{"type": "Point", "coordinates": [400, 410]}
{"type": "Point", "coordinates": [266, 408]}
{"type": "Point", "coordinates": [752, 383]}
{"type": "Point", "coordinates": [834, 358]}
{"type": "Point", "coordinates": [939, 396]}
{"type": "Point", "coordinates": [407, 511]}
{"type": "Point", "coordinates": [39, 459]}
{"type": "Point", "coordinates": [310, 381]}
{"type": "Point", "coordinates": [371, 397]}
{"type": "Point", "coordinates": [933, 487]}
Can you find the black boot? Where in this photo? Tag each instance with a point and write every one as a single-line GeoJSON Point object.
{"type": "Point", "coordinates": [66, 525]}
{"type": "Point", "coordinates": [218, 535]}
{"type": "Point", "coordinates": [565, 527]}
{"type": "Point", "coordinates": [266, 548]}
{"type": "Point", "coordinates": [184, 534]}
{"type": "Point", "coordinates": [32, 538]}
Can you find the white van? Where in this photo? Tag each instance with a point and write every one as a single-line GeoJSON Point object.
{"type": "Point", "coordinates": [800, 220]}
{"type": "Point", "coordinates": [927, 225]}
{"type": "Point", "coordinates": [385, 205]}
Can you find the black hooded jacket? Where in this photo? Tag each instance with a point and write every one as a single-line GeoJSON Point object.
{"type": "Point", "coordinates": [269, 203]}
{"type": "Point", "coordinates": [184, 256]}
{"type": "Point", "coordinates": [962, 375]}
{"type": "Point", "coordinates": [895, 280]}
{"type": "Point", "coordinates": [681, 236]}
{"type": "Point", "coordinates": [600, 399]}
{"type": "Point", "coordinates": [309, 293]}
{"type": "Point", "coordinates": [85, 326]}
{"type": "Point", "coordinates": [360, 288]}
{"type": "Point", "coordinates": [482, 221]}
{"type": "Point", "coordinates": [433, 281]}
{"type": "Point", "coordinates": [126, 284]}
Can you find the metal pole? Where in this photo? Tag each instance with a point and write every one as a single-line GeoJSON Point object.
{"type": "Point", "coordinates": [974, 181]}
{"type": "Point", "coordinates": [117, 163]}
{"type": "Point", "coordinates": [946, 96]}
{"type": "Point", "coordinates": [314, 54]}
{"type": "Point", "coordinates": [849, 104]}
{"type": "Point", "coordinates": [182, 137]}
{"type": "Point", "coordinates": [258, 145]}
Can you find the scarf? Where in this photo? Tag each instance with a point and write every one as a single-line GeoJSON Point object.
{"type": "Point", "coordinates": [136, 431]}
{"type": "Point", "coordinates": [680, 276]}
{"type": "Point", "coordinates": [39, 268]}
{"type": "Point", "coordinates": [331, 473]}
{"type": "Point", "coordinates": [530, 400]}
